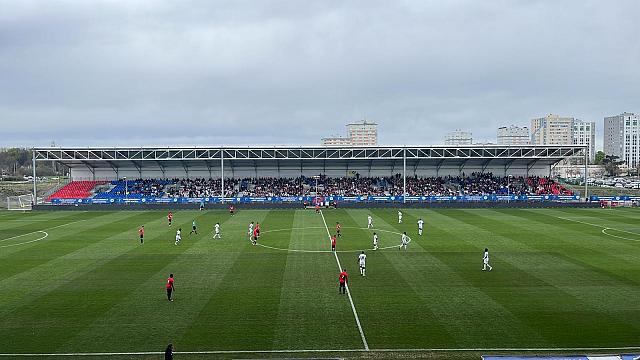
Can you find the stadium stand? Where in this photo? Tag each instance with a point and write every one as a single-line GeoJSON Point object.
{"type": "Point", "coordinates": [76, 190]}
{"type": "Point", "coordinates": [472, 184]}
{"type": "Point", "coordinates": [135, 188]}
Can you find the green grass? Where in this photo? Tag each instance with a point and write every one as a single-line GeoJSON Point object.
{"type": "Point", "coordinates": [89, 286]}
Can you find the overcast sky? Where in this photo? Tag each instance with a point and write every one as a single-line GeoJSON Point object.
{"type": "Point", "coordinates": [89, 73]}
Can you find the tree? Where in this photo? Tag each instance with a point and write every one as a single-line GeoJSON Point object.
{"type": "Point", "coordinates": [612, 164]}
{"type": "Point", "coordinates": [599, 158]}
{"type": "Point", "coordinates": [17, 162]}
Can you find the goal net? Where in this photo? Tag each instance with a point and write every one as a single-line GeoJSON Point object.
{"type": "Point", "coordinates": [20, 202]}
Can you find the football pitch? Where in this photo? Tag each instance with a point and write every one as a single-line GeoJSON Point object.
{"type": "Point", "coordinates": [563, 281]}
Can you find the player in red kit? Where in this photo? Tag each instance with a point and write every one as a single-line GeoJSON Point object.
{"type": "Point", "coordinates": [317, 208]}
{"type": "Point", "coordinates": [141, 233]}
{"type": "Point", "coordinates": [232, 210]}
{"type": "Point", "coordinates": [338, 227]}
{"type": "Point", "coordinates": [333, 243]}
{"type": "Point", "coordinates": [257, 230]}
{"type": "Point", "coordinates": [254, 241]}
{"type": "Point", "coordinates": [170, 218]}
{"type": "Point", "coordinates": [343, 278]}
{"type": "Point", "coordinates": [170, 287]}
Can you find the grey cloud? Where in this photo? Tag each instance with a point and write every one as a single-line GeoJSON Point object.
{"type": "Point", "coordinates": [242, 72]}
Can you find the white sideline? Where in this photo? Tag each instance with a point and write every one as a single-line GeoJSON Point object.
{"type": "Point", "coordinates": [213, 352]}
{"type": "Point", "coordinates": [355, 313]}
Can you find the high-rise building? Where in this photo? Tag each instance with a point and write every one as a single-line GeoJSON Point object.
{"type": "Point", "coordinates": [458, 137]}
{"type": "Point", "coordinates": [363, 133]}
{"type": "Point", "coordinates": [359, 134]}
{"type": "Point", "coordinates": [622, 137]}
{"type": "Point", "coordinates": [558, 130]}
{"type": "Point", "coordinates": [513, 135]}
{"type": "Point", "coordinates": [336, 141]}
{"type": "Point", "coordinates": [552, 130]}
{"type": "Point", "coordinates": [584, 133]}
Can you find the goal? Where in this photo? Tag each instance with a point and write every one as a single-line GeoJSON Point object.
{"type": "Point", "coordinates": [20, 202]}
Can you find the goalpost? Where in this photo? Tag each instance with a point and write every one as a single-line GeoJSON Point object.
{"type": "Point", "coordinates": [20, 202]}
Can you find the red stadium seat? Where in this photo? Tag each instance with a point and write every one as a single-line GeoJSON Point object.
{"type": "Point", "coordinates": [76, 190]}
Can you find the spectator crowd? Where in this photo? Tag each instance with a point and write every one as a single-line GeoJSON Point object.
{"type": "Point", "coordinates": [471, 184]}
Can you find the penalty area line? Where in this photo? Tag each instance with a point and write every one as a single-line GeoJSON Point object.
{"type": "Point", "coordinates": [353, 307]}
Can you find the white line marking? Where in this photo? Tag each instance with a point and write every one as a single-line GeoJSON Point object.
{"type": "Point", "coordinates": [604, 229]}
{"type": "Point", "coordinates": [326, 251]}
{"type": "Point", "coordinates": [627, 348]}
{"type": "Point", "coordinates": [34, 232]}
{"type": "Point", "coordinates": [355, 313]}
{"type": "Point", "coordinates": [26, 242]}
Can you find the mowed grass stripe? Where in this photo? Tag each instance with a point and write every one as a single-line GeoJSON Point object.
{"type": "Point", "coordinates": [54, 318]}
{"type": "Point", "coordinates": [528, 269]}
{"type": "Point", "coordinates": [616, 224]}
{"type": "Point", "coordinates": [603, 217]}
{"type": "Point", "coordinates": [588, 248]}
{"type": "Point", "coordinates": [632, 213]}
{"type": "Point", "coordinates": [390, 315]}
{"type": "Point", "coordinates": [60, 242]}
{"type": "Point", "coordinates": [526, 297]}
{"type": "Point", "coordinates": [325, 320]}
{"type": "Point", "coordinates": [452, 299]}
{"type": "Point", "coordinates": [611, 256]}
{"type": "Point", "coordinates": [27, 285]}
{"type": "Point", "coordinates": [18, 238]}
{"type": "Point", "coordinates": [555, 284]}
{"type": "Point", "coordinates": [243, 310]}
{"type": "Point", "coordinates": [198, 271]}
{"type": "Point", "coordinates": [31, 222]}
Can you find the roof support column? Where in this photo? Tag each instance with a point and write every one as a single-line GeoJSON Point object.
{"type": "Point", "coordinates": [586, 171]}
{"type": "Point", "coordinates": [209, 169]}
{"type": "Point", "coordinates": [91, 169]}
{"type": "Point", "coordinates": [222, 173]}
{"type": "Point", "coordinates": [115, 169]}
{"type": "Point", "coordinates": [35, 189]}
{"type": "Point", "coordinates": [162, 169]}
{"type": "Point", "coordinates": [186, 168]}
{"type": "Point", "coordinates": [438, 167]}
{"type": "Point", "coordinates": [404, 176]}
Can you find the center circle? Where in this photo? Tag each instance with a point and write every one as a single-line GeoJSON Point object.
{"type": "Point", "coordinates": [329, 251]}
{"type": "Point", "coordinates": [10, 243]}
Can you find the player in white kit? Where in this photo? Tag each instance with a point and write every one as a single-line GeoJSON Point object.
{"type": "Point", "coordinates": [404, 240]}
{"type": "Point", "coordinates": [375, 241]}
{"type": "Point", "coordinates": [369, 222]}
{"type": "Point", "coordinates": [362, 259]}
{"type": "Point", "coordinates": [178, 236]}
{"type": "Point", "coordinates": [485, 260]}
{"type": "Point", "coordinates": [250, 231]}
{"type": "Point", "coordinates": [217, 231]}
{"type": "Point", "coordinates": [399, 217]}
{"type": "Point", "coordinates": [420, 224]}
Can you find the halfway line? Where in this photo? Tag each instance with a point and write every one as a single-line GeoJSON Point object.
{"type": "Point", "coordinates": [353, 308]}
